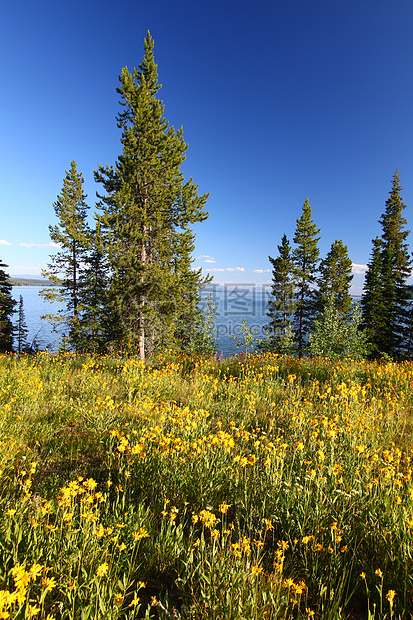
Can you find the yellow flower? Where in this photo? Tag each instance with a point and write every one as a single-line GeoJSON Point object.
{"type": "Point", "coordinates": [141, 533]}
{"type": "Point", "coordinates": [35, 571]}
{"type": "Point", "coordinates": [307, 539]}
{"type": "Point", "coordinates": [207, 518]}
{"type": "Point", "coordinates": [363, 575]}
{"type": "Point", "coordinates": [390, 595]}
{"type": "Point", "coordinates": [102, 569]}
{"type": "Point", "coordinates": [118, 599]}
{"type": "Point", "coordinates": [49, 582]}
{"type": "Point", "coordinates": [20, 576]}
{"type": "Point", "coordinates": [288, 583]}
{"type": "Point", "coordinates": [378, 572]}
{"type": "Point", "coordinates": [134, 602]}
{"type": "Point", "coordinates": [33, 611]}
{"type": "Point", "coordinates": [223, 508]}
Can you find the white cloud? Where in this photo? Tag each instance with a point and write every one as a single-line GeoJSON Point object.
{"type": "Point", "coordinates": [24, 268]}
{"type": "Point", "coordinates": [359, 268]}
{"type": "Point", "coordinates": [260, 270]}
{"type": "Point", "coordinates": [226, 269]}
{"type": "Point", "coordinates": [3, 242]}
{"type": "Point", "coordinates": [208, 259]}
{"type": "Point", "coordinates": [52, 244]}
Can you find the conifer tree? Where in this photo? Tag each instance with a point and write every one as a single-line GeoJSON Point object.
{"type": "Point", "coordinates": [147, 212]}
{"type": "Point", "coordinates": [95, 329]}
{"type": "Point", "coordinates": [386, 295]}
{"type": "Point", "coordinates": [335, 278]}
{"type": "Point", "coordinates": [281, 305]}
{"type": "Point", "coordinates": [7, 304]}
{"type": "Point", "coordinates": [72, 236]}
{"type": "Point", "coordinates": [22, 330]}
{"type": "Point", "coordinates": [305, 261]}
{"type": "Point", "coordinates": [372, 299]}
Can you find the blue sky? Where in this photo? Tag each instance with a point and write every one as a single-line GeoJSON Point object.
{"type": "Point", "coordinates": [278, 100]}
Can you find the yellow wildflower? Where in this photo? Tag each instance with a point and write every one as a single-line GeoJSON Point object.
{"type": "Point", "coordinates": [102, 569]}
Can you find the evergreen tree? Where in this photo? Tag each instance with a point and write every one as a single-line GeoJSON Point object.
{"type": "Point", "coordinates": [146, 218]}
{"type": "Point", "coordinates": [95, 329]}
{"type": "Point", "coordinates": [22, 330]}
{"type": "Point", "coordinates": [372, 299]}
{"type": "Point", "coordinates": [281, 306]}
{"type": "Point", "coordinates": [7, 304]}
{"type": "Point", "coordinates": [335, 278]}
{"type": "Point", "coordinates": [335, 337]}
{"type": "Point", "coordinates": [72, 236]}
{"type": "Point", "coordinates": [386, 297]}
{"type": "Point", "coordinates": [305, 261]}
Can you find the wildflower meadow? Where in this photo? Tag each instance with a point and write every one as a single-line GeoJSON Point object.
{"type": "Point", "coordinates": [254, 487]}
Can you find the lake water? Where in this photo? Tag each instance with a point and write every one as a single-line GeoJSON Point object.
{"type": "Point", "coordinates": [34, 307]}
{"type": "Point", "coordinates": [233, 304]}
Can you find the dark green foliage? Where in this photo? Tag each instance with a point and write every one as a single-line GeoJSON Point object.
{"type": "Point", "coordinates": [282, 303]}
{"type": "Point", "coordinates": [21, 331]}
{"type": "Point", "coordinates": [305, 261]}
{"type": "Point", "coordinates": [336, 336]}
{"type": "Point", "coordinates": [335, 278]}
{"type": "Point", "coordinates": [386, 296]}
{"type": "Point", "coordinates": [72, 235]}
{"type": "Point", "coordinates": [7, 305]}
{"type": "Point", "coordinates": [147, 211]}
{"type": "Point", "coordinates": [95, 328]}
{"type": "Point", "coordinates": [372, 298]}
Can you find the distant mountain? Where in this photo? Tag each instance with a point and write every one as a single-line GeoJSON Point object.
{"type": "Point", "coordinates": [25, 280]}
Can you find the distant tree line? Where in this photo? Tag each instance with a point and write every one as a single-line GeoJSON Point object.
{"type": "Point", "coordinates": [311, 309]}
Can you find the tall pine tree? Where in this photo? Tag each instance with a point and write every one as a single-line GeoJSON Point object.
{"type": "Point", "coordinates": [335, 278]}
{"type": "Point", "coordinates": [305, 262]}
{"type": "Point", "coordinates": [21, 331]}
{"type": "Point", "coordinates": [7, 304]}
{"type": "Point", "coordinates": [147, 212]}
{"type": "Point", "coordinates": [72, 236]}
{"type": "Point", "coordinates": [281, 305]}
{"type": "Point", "coordinates": [386, 297]}
{"type": "Point", "coordinates": [372, 299]}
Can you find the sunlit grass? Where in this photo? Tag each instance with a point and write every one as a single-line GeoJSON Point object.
{"type": "Point", "coordinates": [254, 487]}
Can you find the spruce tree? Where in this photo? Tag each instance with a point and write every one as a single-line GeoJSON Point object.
{"type": "Point", "coordinates": [281, 305]}
{"type": "Point", "coordinates": [147, 212]}
{"type": "Point", "coordinates": [7, 304]}
{"type": "Point", "coordinates": [95, 334]}
{"type": "Point", "coordinates": [372, 299]}
{"type": "Point", "coordinates": [386, 296]}
{"type": "Point", "coordinates": [305, 261]}
{"type": "Point", "coordinates": [335, 278]}
{"type": "Point", "coordinates": [72, 236]}
{"type": "Point", "coordinates": [21, 330]}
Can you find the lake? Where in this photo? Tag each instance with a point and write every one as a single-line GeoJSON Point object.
{"type": "Point", "coordinates": [233, 304]}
